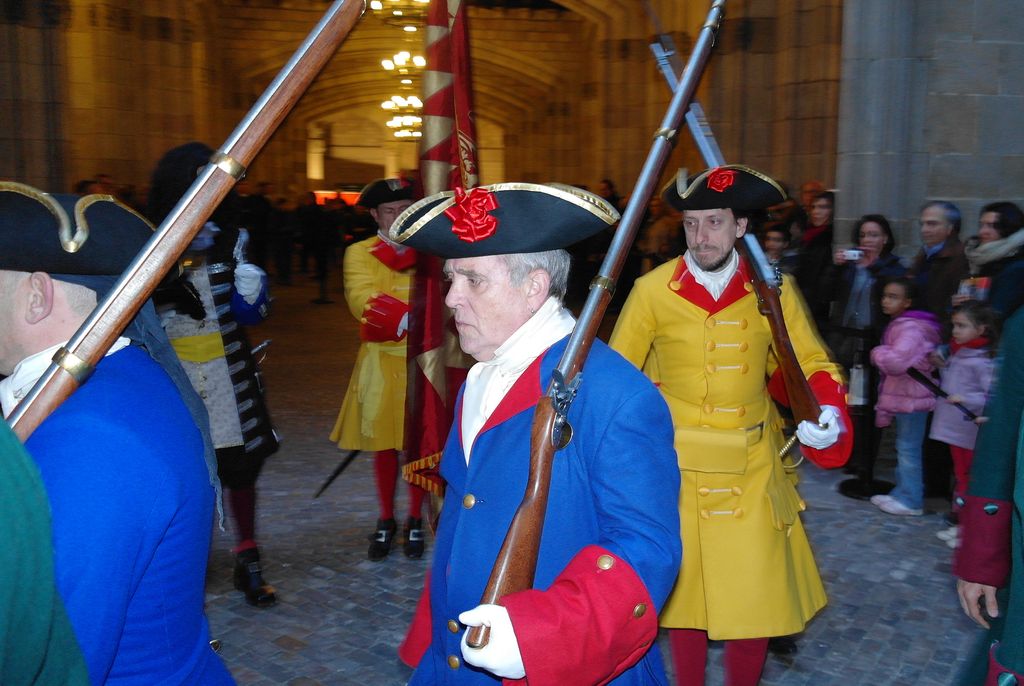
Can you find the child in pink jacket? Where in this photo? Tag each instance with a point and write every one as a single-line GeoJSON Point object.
{"type": "Point", "coordinates": [907, 341]}
{"type": "Point", "coordinates": [966, 376]}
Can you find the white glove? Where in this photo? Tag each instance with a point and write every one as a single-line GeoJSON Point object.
{"type": "Point", "coordinates": [814, 436]}
{"type": "Point", "coordinates": [249, 281]}
{"type": "Point", "coordinates": [403, 325]}
{"type": "Point", "coordinates": [241, 247]}
{"type": "Point", "coordinates": [501, 655]}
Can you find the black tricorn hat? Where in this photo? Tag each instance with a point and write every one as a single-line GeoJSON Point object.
{"type": "Point", "coordinates": [501, 219]}
{"type": "Point", "coordinates": [731, 186]}
{"type": "Point", "coordinates": [385, 190]}
{"type": "Point", "coordinates": [91, 235]}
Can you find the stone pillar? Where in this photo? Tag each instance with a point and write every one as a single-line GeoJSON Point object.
{"type": "Point", "coordinates": [930, 109]}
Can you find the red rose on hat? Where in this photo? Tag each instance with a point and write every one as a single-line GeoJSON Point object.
{"type": "Point", "coordinates": [470, 219]}
{"type": "Point", "coordinates": [720, 179]}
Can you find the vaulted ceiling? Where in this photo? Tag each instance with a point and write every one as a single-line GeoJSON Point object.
{"type": "Point", "coordinates": [513, 70]}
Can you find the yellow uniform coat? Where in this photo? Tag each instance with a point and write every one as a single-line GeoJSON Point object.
{"type": "Point", "coordinates": [747, 568]}
{"type": "Point", "coordinates": [372, 415]}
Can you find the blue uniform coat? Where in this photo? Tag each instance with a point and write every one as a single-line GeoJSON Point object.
{"type": "Point", "coordinates": [122, 462]}
{"type": "Point", "coordinates": [610, 548]}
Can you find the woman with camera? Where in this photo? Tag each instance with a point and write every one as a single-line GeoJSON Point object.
{"type": "Point", "coordinates": [854, 284]}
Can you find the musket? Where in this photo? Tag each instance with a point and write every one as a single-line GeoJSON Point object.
{"type": "Point", "coordinates": [923, 379]}
{"type": "Point", "coordinates": [767, 282]}
{"type": "Point", "coordinates": [87, 347]}
{"type": "Point", "coordinates": [516, 563]}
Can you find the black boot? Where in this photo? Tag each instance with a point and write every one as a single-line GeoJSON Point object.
{"type": "Point", "coordinates": [413, 546]}
{"type": "Point", "coordinates": [782, 645]}
{"type": "Point", "coordinates": [249, 579]}
{"type": "Point", "coordinates": [380, 540]}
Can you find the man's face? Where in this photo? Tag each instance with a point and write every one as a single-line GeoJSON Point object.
{"type": "Point", "coordinates": [386, 213]}
{"type": "Point", "coordinates": [934, 227]}
{"type": "Point", "coordinates": [487, 308]}
{"type": "Point", "coordinates": [710, 235]}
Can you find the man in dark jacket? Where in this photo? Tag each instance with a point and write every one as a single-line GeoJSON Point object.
{"type": "Point", "coordinates": [940, 264]}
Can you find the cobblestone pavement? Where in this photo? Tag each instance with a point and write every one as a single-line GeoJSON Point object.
{"type": "Point", "coordinates": [893, 617]}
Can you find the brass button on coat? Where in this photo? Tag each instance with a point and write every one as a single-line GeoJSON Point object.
{"type": "Point", "coordinates": [708, 408]}
{"type": "Point", "coordinates": [453, 662]}
{"type": "Point", "coordinates": [710, 323]}
{"type": "Point", "coordinates": [675, 285]}
{"type": "Point", "coordinates": [709, 346]}
{"type": "Point", "coordinates": [704, 490]}
{"type": "Point", "coordinates": [705, 514]}
{"type": "Point", "coordinates": [639, 610]}
{"type": "Point", "coordinates": [710, 368]}
{"type": "Point", "coordinates": [469, 501]}
{"type": "Point", "coordinates": [453, 626]}
{"type": "Point", "coordinates": [605, 562]}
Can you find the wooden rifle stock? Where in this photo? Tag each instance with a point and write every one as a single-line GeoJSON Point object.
{"type": "Point", "coordinates": [516, 562]}
{"type": "Point", "coordinates": [169, 241]}
{"type": "Point", "coordinates": [801, 398]}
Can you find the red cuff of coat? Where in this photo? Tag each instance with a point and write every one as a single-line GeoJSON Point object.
{"type": "Point", "coordinates": [381, 317]}
{"type": "Point", "coordinates": [594, 621]}
{"type": "Point", "coordinates": [827, 391]}
{"type": "Point", "coordinates": [997, 673]}
{"type": "Point", "coordinates": [984, 552]}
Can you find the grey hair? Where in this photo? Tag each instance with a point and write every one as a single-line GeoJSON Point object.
{"type": "Point", "coordinates": [554, 262]}
{"type": "Point", "coordinates": [951, 211]}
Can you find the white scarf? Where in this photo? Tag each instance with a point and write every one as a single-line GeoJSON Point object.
{"type": "Point", "coordinates": [16, 386]}
{"type": "Point", "coordinates": [713, 282]}
{"type": "Point", "coordinates": [980, 254]}
{"type": "Point", "coordinates": [488, 382]}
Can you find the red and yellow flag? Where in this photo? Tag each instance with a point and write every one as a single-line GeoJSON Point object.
{"type": "Point", "coordinates": [448, 158]}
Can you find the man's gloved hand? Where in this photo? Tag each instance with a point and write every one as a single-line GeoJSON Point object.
{"type": "Point", "coordinates": [814, 436]}
{"type": "Point", "coordinates": [249, 281]}
{"type": "Point", "coordinates": [501, 655]}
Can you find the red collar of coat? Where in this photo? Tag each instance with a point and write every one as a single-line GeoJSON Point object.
{"type": "Point", "coordinates": [686, 287]}
{"type": "Point", "coordinates": [391, 258]}
{"type": "Point", "coordinates": [524, 394]}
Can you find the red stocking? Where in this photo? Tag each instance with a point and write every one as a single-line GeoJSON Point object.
{"type": "Point", "coordinates": [744, 661]}
{"type": "Point", "coordinates": [416, 496]}
{"type": "Point", "coordinates": [243, 509]}
{"type": "Point", "coordinates": [385, 466]}
{"type": "Point", "coordinates": [689, 655]}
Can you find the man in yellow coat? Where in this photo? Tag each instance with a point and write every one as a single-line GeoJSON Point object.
{"type": "Point", "coordinates": [693, 326]}
{"type": "Point", "coordinates": [378, 280]}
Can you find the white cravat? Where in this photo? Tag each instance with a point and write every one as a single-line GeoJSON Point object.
{"type": "Point", "coordinates": [488, 382]}
{"type": "Point", "coordinates": [713, 282]}
{"type": "Point", "coordinates": [16, 386]}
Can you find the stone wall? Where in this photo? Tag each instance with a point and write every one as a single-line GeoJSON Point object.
{"type": "Point", "coordinates": [932, 108]}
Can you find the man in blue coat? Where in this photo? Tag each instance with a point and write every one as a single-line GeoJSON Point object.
{"type": "Point", "coordinates": [122, 460]}
{"type": "Point", "coordinates": [611, 532]}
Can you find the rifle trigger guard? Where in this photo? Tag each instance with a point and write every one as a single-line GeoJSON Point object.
{"type": "Point", "coordinates": [562, 395]}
